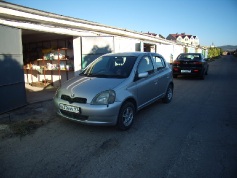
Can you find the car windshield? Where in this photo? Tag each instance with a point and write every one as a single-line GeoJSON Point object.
{"type": "Point", "coordinates": [110, 67]}
{"type": "Point", "coordinates": [189, 57]}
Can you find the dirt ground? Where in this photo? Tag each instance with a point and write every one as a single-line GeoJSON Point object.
{"type": "Point", "coordinates": [27, 119]}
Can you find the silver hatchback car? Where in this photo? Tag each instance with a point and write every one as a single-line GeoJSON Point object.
{"type": "Point", "coordinates": [111, 89]}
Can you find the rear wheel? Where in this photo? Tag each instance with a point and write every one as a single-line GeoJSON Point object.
{"type": "Point", "coordinates": [126, 116]}
{"type": "Point", "coordinates": [206, 73]}
{"type": "Point", "coordinates": [175, 75]}
{"type": "Point", "coordinates": [202, 77]}
{"type": "Point", "coordinates": [169, 94]}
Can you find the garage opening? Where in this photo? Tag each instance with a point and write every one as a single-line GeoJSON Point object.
{"type": "Point", "coordinates": [149, 47]}
{"type": "Point", "coordinates": [48, 61]}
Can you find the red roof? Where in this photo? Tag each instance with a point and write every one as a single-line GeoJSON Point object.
{"type": "Point", "coordinates": [182, 35]}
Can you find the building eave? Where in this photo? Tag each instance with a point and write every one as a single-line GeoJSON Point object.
{"type": "Point", "coordinates": [19, 16]}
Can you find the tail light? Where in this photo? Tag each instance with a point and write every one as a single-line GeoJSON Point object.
{"type": "Point", "coordinates": [197, 62]}
{"type": "Point", "coordinates": [176, 62]}
{"type": "Point", "coordinates": [195, 70]}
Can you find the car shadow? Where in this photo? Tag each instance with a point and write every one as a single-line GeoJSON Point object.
{"type": "Point", "coordinates": [188, 77]}
{"type": "Point", "coordinates": [84, 127]}
{"type": "Point", "coordinates": [139, 119]}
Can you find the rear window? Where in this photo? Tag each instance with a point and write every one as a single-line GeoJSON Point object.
{"type": "Point", "coordinates": [189, 57]}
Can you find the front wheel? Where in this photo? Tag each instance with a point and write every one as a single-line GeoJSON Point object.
{"type": "Point", "coordinates": [126, 116]}
{"type": "Point", "coordinates": [169, 94]}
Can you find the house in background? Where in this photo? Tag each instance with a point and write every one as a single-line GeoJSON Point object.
{"type": "Point", "coordinates": [184, 38]}
{"type": "Point", "coordinates": [154, 34]}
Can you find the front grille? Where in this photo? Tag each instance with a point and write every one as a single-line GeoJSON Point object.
{"type": "Point", "coordinates": [73, 115]}
{"type": "Point", "coordinates": [73, 100]}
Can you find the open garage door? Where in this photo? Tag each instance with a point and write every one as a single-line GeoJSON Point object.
{"type": "Point", "coordinates": [12, 85]}
{"type": "Point", "coordinates": [48, 62]}
{"type": "Point", "coordinates": [149, 47]}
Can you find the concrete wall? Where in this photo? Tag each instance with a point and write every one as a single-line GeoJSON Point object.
{"type": "Point", "coordinates": [12, 85]}
{"type": "Point", "coordinates": [77, 54]}
{"type": "Point", "coordinates": [165, 50]}
{"type": "Point", "coordinates": [95, 46]}
{"type": "Point", "coordinates": [191, 50]}
{"type": "Point", "coordinates": [177, 50]}
{"type": "Point", "coordinates": [198, 50]}
{"type": "Point", "coordinates": [171, 52]}
{"type": "Point", "coordinates": [125, 44]}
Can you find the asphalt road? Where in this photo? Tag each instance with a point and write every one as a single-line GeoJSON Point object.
{"type": "Point", "coordinates": [193, 136]}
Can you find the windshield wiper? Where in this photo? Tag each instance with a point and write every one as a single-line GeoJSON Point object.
{"type": "Point", "coordinates": [97, 75]}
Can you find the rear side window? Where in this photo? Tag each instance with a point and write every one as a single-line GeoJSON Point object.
{"type": "Point", "coordinates": [159, 62]}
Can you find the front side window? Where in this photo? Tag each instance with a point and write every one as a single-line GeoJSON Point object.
{"type": "Point", "coordinates": [145, 65]}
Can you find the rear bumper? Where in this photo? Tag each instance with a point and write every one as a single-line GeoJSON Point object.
{"type": "Point", "coordinates": [187, 71]}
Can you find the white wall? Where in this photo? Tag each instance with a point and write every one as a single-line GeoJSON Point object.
{"type": "Point", "coordinates": [125, 44]}
{"type": "Point", "coordinates": [177, 50]}
{"type": "Point", "coordinates": [93, 47]}
{"type": "Point", "coordinates": [77, 54]}
{"type": "Point", "coordinates": [199, 50]}
{"type": "Point", "coordinates": [165, 50]}
{"type": "Point", "coordinates": [191, 50]}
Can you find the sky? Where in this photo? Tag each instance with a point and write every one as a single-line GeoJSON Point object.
{"type": "Point", "coordinates": [213, 21]}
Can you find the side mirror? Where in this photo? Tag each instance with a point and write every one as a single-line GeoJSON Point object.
{"type": "Point", "coordinates": [143, 75]}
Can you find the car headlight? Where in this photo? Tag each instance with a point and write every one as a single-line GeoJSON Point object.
{"type": "Point", "coordinates": [104, 98]}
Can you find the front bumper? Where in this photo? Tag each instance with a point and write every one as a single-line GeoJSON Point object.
{"type": "Point", "coordinates": [91, 114]}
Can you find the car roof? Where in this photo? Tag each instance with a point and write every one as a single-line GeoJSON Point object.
{"type": "Point", "coordinates": [129, 54]}
{"type": "Point", "coordinates": [191, 53]}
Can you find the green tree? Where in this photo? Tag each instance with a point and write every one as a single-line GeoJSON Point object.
{"type": "Point", "coordinates": [214, 52]}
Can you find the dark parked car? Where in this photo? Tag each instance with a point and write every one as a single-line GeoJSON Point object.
{"type": "Point", "coordinates": [113, 87]}
{"type": "Point", "coordinates": [190, 64]}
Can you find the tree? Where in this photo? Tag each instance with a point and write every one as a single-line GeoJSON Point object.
{"type": "Point", "coordinates": [214, 52]}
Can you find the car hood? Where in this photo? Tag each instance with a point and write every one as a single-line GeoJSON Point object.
{"type": "Point", "coordinates": [88, 87]}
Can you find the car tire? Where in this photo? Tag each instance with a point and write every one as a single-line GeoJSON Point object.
{"type": "Point", "coordinates": [202, 77]}
{"type": "Point", "coordinates": [206, 73]}
{"type": "Point", "coordinates": [168, 95]}
{"type": "Point", "coordinates": [126, 116]}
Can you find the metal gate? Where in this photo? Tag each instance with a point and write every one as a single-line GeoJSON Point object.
{"type": "Point", "coordinates": [12, 85]}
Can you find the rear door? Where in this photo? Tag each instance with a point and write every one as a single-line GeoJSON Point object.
{"type": "Point", "coordinates": [163, 73]}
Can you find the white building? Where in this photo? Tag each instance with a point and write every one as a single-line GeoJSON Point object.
{"type": "Point", "coordinates": [38, 46]}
